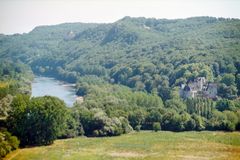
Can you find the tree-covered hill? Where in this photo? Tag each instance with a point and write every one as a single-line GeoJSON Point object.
{"type": "Point", "coordinates": [145, 54]}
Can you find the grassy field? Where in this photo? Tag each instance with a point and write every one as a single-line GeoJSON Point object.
{"type": "Point", "coordinates": [142, 145]}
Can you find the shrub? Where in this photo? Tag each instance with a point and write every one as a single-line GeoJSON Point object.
{"type": "Point", "coordinates": [138, 128]}
{"type": "Point", "coordinates": [125, 125]}
{"type": "Point", "coordinates": [229, 126]}
{"type": "Point", "coordinates": [156, 126]}
{"type": "Point", "coordinates": [8, 143]}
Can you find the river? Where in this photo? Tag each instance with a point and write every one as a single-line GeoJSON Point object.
{"type": "Point", "coordinates": [42, 86]}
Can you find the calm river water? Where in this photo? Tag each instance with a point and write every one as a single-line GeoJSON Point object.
{"type": "Point", "coordinates": [42, 86]}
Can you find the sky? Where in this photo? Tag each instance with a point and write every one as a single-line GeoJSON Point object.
{"type": "Point", "coordinates": [21, 16]}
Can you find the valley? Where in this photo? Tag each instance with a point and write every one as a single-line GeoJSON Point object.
{"type": "Point", "coordinates": [177, 77]}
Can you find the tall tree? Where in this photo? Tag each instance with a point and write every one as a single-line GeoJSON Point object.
{"type": "Point", "coordinates": [38, 121]}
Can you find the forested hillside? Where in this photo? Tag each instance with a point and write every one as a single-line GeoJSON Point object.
{"type": "Point", "coordinates": [144, 54]}
{"type": "Point", "coordinates": [129, 74]}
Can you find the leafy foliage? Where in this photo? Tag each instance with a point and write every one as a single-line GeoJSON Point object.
{"type": "Point", "coordinates": [153, 55]}
{"type": "Point", "coordinates": [38, 121]}
{"type": "Point", "coordinates": [8, 142]}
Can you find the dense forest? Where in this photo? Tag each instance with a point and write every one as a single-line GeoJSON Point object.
{"type": "Point", "coordinates": [128, 72]}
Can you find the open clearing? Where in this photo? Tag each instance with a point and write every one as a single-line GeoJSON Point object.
{"type": "Point", "coordinates": [144, 145]}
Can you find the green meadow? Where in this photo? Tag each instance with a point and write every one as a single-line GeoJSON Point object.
{"type": "Point", "coordinates": [143, 145]}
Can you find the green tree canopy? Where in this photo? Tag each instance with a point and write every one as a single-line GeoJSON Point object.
{"type": "Point", "coordinates": [37, 121]}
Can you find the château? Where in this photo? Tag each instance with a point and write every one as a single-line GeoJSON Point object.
{"type": "Point", "coordinates": [199, 87]}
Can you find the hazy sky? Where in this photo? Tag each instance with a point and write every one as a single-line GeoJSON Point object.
{"type": "Point", "coordinates": [18, 16]}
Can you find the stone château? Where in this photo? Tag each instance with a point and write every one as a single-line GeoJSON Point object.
{"type": "Point", "coordinates": [199, 87]}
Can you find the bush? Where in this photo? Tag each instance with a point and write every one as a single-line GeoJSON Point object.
{"type": "Point", "coordinates": [108, 127]}
{"type": "Point", "coordinates": [8, 143]}
{"type": "Point", "coordinates": [138, 128]}
{"type": "Point", "coordinates": [97, 123]}
{"type": "Point", "coordinates": [199, 121]}
{"type": "Point", "coordinates": [229, 126]}
{"type": "Point", "coordinates": [156, 126]}
{"type": "Point", "coordinates": [73, 127]}
{"type": "Point", "coordinates": [125, 125]}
